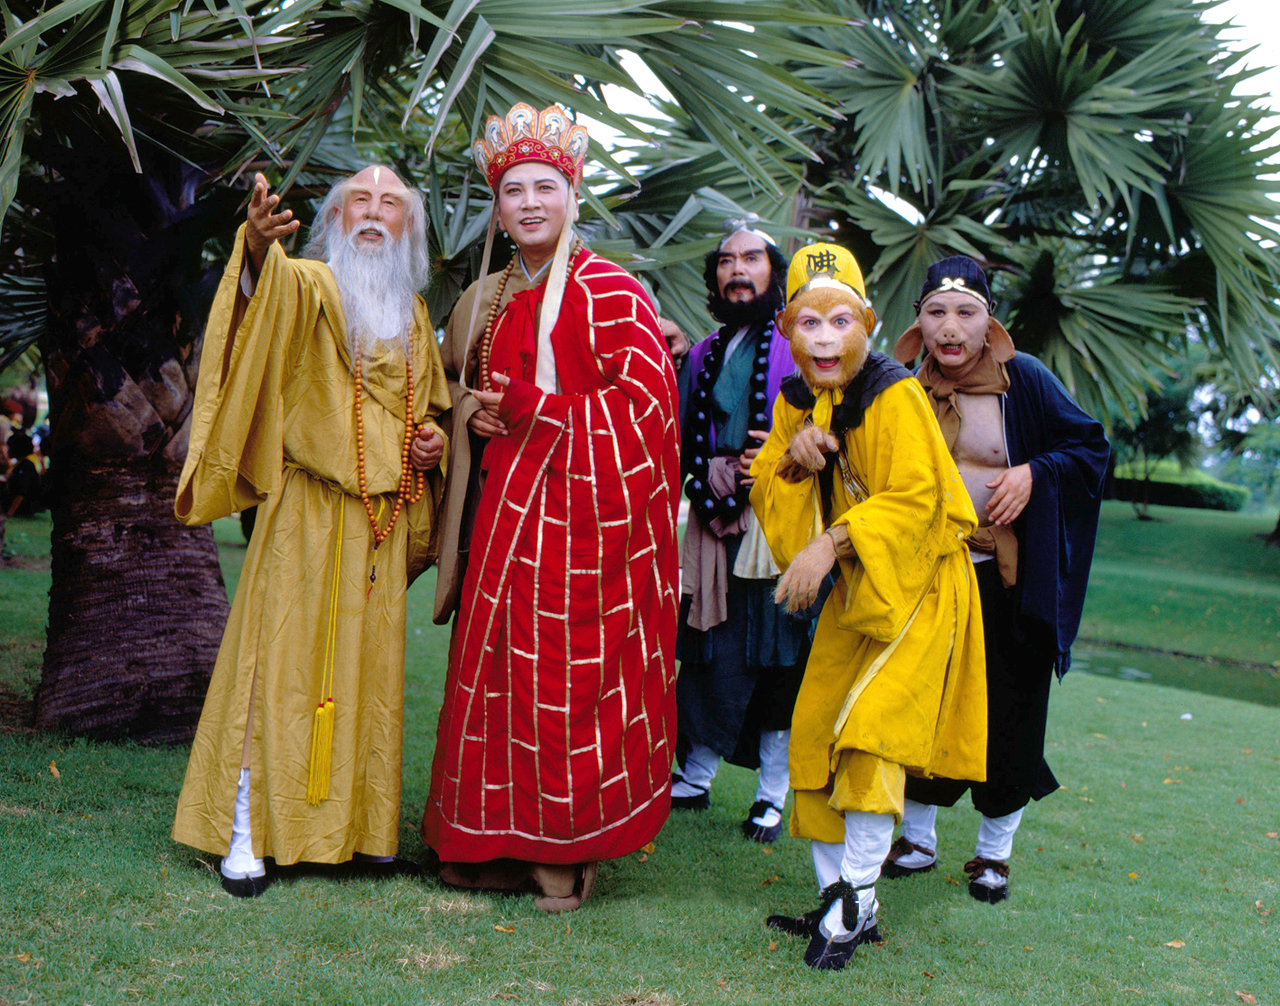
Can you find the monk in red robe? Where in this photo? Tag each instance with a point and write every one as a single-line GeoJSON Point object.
{"type": "Point", "coordinates": [557, 729]}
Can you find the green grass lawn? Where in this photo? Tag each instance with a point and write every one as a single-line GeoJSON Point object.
{"type": "Point", "coordinates": [1192, 581]}
{"type": "Point", "coordinates": [1150, 879]}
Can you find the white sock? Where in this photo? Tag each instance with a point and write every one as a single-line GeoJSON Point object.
{"type": "Point", "coordinates": [775, 777]}
{"type": "Point", "coordinates": [826, 862]}
{"type": "Point", "coordinates": [867, 838]}
{"type": "Point", "coordinates": [239, 861]}
{"type": "Point", "coordinates": [919, 822]}
{"type": "Point", "coordinates": [995, 836]}
{"type": "Point", "coordinates": [698, 770]}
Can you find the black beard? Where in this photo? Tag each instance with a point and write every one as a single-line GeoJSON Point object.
{"type": "Point", "coordinates": [754, 313]}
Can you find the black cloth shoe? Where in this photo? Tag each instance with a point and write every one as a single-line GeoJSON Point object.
{"type": "Point", "coordinates": [699, 801]}
{"type": "Point", "coordinates": [373, 869]}
{"type": "Point", "coordinates": [759, 832]}
{"type": "Point", "coordinates": [825, 954]}
{"type": "Point", "coordinates": [901, 847]}
{"type": "Point", "coordinates": [992, 887]}
{"type": "Point", "coordinates": [244, 887]}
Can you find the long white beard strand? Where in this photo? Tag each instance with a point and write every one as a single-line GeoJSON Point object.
{"type": "Point", "coordinates": [377, 293]}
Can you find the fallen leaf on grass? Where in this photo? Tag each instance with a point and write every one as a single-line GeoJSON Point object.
{"type": "Point", "coordinates": [1137, 838]}
{"type": "Point", "coordinates": [1239, 799]}
{"type": "Point", "coordinates": [927, 974]}
{"type": "Point", "coordinates": [770, 880]}
{"type": "Point", "coordinates": [504, 929]}
{"type": "Point", "coordinates": [1246, 750]}
{"type": "Point", "coordinates": [1272, 834]}
{"type": "Point", "coordinates": [773, 944]}
{"type": "Point", "coordinates": [1246, 997]}
{"type": "Point", "coordinates": [952, 880]}
{"type": "Point", "coordinates": [1027, 949]}
{"type": "Point", "coordinates": [722, 983]}
{"type": "Point", "coordinates": [648, 848]}
{"type": "Point", "coordinates": [644, 858]}
{"type": "Point", "coordinates": [1133, 876]}
{"type": "Point", "coordinates": [26, 957]}
{"type": "Point", "coordinates": [1176, 944]}
{"type": "Point", "coordinates": [1172, 782]}
{"type": "Point", "coordinates": [53, 770]}
{"type": "Point", "coordinates": [766, 850]}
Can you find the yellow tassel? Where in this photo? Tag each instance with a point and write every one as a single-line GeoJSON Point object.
{"type": "Point", "coordinates": [320, 766]}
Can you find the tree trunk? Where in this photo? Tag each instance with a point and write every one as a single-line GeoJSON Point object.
{"type": "Point", "coordinates": [137, 606]}
{"type": "Point", "coordinates": [134, 613]}
{"type": "Point", "coordinates": [1274, 537]}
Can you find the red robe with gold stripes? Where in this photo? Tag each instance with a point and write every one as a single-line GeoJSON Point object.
{"type": "Point", "coordinates": [557, 729]}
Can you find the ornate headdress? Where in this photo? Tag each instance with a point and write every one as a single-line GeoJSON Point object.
{"type": "Point", "coordinates": [551, 137]}
{"type": "Point", "coordinates": [526, 134]}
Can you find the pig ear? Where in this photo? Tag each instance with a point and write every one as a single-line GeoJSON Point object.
{"type": "Point", "coordinates": [909, 345]}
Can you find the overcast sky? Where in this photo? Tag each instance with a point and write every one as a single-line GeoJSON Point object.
{"type": "Point", "coordinates": [1257, 24]}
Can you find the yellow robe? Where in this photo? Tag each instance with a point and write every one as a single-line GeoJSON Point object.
{"type": "Point", "coordinates": [274, 424]}
{"type": "Point", "coordinates": [895, 680]}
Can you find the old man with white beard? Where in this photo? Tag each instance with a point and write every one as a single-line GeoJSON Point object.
{"type": "Point", "coordinates": [316, 377]}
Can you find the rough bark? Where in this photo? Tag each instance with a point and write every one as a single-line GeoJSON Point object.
{"type": "Point", "coordinates": [134, 621]}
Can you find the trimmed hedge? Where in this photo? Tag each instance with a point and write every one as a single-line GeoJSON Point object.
{"type": "Point", "coordinates": [1171, 486]}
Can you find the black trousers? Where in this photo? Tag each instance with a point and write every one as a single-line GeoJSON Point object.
{"type": "Point", "coordinates": [1020, 657]}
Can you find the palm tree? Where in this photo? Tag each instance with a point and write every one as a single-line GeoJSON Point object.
{"type": "Point", "coordinates": [1094, 153]}
{"type": "Point", "coordinates": [127, 125]}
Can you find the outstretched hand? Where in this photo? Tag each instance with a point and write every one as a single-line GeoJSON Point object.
{"type": "Point", "coordinates": [265, 225]}
{"type": "Point", "coordinates": [798, 586]}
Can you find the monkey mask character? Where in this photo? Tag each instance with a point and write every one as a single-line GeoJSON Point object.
{"type": "Point", "coordinates": [827, 317]}
{"type": "Point", "coordinates": [829, 322]}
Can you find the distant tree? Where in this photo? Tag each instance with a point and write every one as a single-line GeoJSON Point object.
{"type": "Point", "coordinates": [1166, 430]}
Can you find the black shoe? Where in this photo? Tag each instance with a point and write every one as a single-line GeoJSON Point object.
{"type": "Point", "coordinates": [859, 919]}
{"type": "Point", "coordinates": [759, 832]}
{"type": "Point", "coordinates": [244, 887]}
{"type": "Point", "coordinates": [374, 869]}
{"type": "Point", "coordinates": [901, 847]}
{"type": "Point", "coordinates": [699, 801]}
{"type": "Point", "coordinates": [988, 879]}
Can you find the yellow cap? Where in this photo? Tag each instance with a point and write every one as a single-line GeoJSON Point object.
{"type": "Point", "coordinates": [824, 265]}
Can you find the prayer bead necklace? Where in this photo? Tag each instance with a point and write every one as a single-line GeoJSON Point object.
{"type": "Point", "coordinates": [482, 356]}
{"type": "Point", "coordinates": [701, 423]}
{"type": "Point", "coordinates": [413, 484]}
{"type": "Point", "coordinates": [482, 353]}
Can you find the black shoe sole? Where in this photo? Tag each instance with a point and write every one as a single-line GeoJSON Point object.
{"type": "Point", "coordinates": [892, 871]}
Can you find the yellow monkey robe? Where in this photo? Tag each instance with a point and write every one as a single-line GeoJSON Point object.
{"type": "Point", "coordinates": [895, 681]}
{"type": "Point", "coordinates": [274, 424]}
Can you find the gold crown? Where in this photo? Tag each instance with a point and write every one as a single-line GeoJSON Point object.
{"type": "Point", "coordinates": [526, 134]}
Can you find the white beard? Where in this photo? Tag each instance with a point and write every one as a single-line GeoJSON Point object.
{"type": "Point", "coordinates": [377, 294]}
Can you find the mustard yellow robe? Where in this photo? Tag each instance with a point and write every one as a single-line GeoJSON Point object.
{"type": "Point", "coordinates": [895, 681]}
{"type": "Point", "coordinates": [274, 424]}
